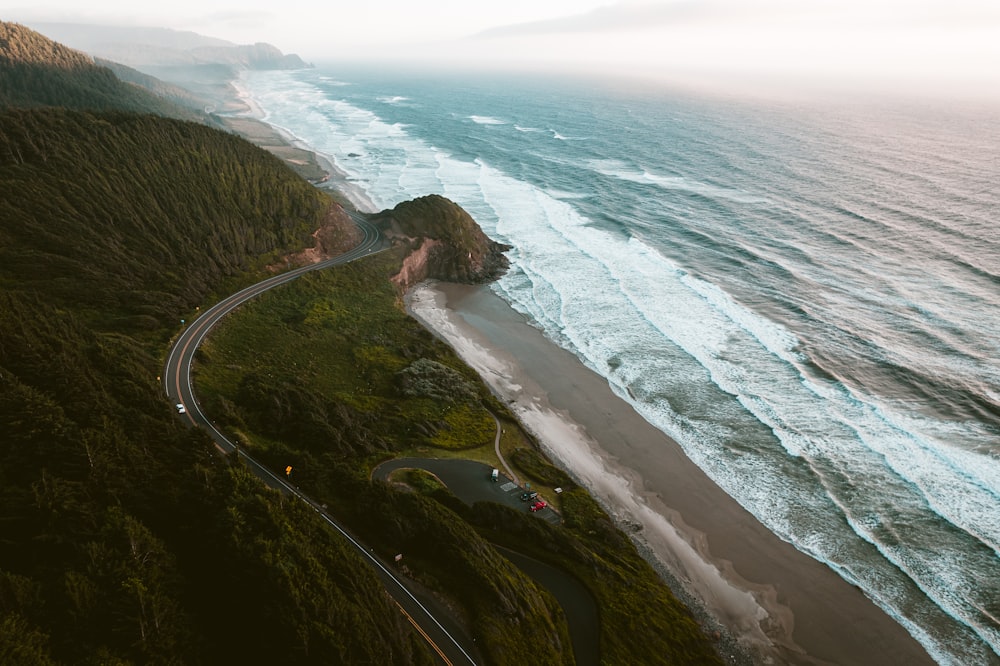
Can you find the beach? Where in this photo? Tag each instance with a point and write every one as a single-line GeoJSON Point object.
{"type": "Point", "coordinates": [780, 605]}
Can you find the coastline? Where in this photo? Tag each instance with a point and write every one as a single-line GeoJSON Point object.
{"type": "Point", "coordinates": [778, 604]}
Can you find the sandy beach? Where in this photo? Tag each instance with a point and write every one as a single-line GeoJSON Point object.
{"type": "Point", "coordinates": [780, 605]}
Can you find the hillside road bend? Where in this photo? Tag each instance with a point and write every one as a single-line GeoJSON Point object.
{"type": "Point", "coordinates": [450, 645]}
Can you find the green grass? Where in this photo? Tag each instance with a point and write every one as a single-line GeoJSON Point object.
{"type": "Point", "coordinates": [537, 468]}
{"type": "Point", "coordinates": [344, 350]}
{"type": "Point", "coordinates": [422, 481]}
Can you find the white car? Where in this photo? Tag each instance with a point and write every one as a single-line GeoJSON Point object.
{"type": "Point", "coordinates": [180, 408]}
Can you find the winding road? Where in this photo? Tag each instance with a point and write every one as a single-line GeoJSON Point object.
{"type": "Point", "coordinates": [178, 387]}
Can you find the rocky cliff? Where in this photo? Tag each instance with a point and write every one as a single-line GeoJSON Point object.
{"type": "Point", "coordinates": [336, 234]}
{"type": "Point", "coordinates": [442, 242]}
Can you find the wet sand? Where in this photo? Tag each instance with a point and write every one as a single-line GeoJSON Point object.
{"type": "Point", "coordinates": [780, 605]}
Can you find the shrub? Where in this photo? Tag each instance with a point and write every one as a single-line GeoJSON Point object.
{"type": "Point", "coordinates": [430, 379]}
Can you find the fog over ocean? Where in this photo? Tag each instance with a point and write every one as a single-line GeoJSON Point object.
{"type": "Point", "coordinates": [805, 296]}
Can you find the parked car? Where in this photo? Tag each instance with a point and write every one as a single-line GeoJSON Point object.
{"type": "Point", "coordinates": [526, 495]}
{"type": "Point", "coordinates": [495, 474]}
{"type": "Point", "coordinates": [538, 506]}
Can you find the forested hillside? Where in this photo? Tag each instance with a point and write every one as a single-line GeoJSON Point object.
{"type": "Point", "coordinates": [124, 538]}
{"type": "Point", "coordinates": [136, 218]}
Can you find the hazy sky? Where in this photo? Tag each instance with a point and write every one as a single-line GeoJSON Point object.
{"type": "Point", "coordinates": [944, 44]}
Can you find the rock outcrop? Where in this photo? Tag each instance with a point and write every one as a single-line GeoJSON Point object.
{"type": "Point", "coordinates": [337, 234]}
{"type": "Point", "coordinates": [443, 243]}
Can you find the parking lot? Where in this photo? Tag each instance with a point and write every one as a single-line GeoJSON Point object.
{"type": "Point", "coordinates": [471, 482]}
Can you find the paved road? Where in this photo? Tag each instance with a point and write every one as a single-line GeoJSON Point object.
{"type": "Point", "coordinates": [470, 482]}
{"type": "Point", "coordinates": [178, 387]}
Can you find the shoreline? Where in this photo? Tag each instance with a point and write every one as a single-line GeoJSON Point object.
{"type": "Point", "coordinates": [771, 602]}
{"type": "Point", "coordinates": [779, 605]}
{"type": "Point", "coordinates": [319, 169]}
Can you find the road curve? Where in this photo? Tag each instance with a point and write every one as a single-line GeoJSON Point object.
{"type": "Point", "coordinates": [178, 387]}
{"type": "Point", "coordinates": [468, 481]}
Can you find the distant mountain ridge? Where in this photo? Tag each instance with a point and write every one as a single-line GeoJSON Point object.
{"type": "Point", "coordinates": [37, 72]}
{"type": "Point", "coordinates": [140, 47]}
{"type": "Point", "coordinates": [22, 45]}
{"type": "Point", "coordinates": [160, 88]}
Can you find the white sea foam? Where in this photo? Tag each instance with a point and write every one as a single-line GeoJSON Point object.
{"type": "Point", "coordinates": [615, 168]}
{"type": "Point", "coordinates": [393, 99]}
{"type": "Point", "coordinates": [560, 137]}
{"type": "Point", "coordinates": [487, 120]}
{"type": "Point", "coordinates": [564, 195]}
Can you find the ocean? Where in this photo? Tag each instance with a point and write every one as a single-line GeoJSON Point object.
{"type": "Point", "coordinates": [805, 295]}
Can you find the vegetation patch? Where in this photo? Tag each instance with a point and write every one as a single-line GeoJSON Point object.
{"type": "Point", "coordinates": [422, 481]}
{"type": "Point", "coordinates": [431, 379]}
{"type": "Point", "coordinates": [465, 427]}
{"type": "Point", "coordinates": [132, 221]}
{"type": "Point", "coordinates": [378, 380]}
{"type": "Point", "coordinates": [536, 467]}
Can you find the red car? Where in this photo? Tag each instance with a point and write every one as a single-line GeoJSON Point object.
{"type": "Point", "coordinates": [538, 506]}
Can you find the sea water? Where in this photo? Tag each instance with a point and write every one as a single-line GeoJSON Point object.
{"type": "Point", "coordinates": [805, 296]}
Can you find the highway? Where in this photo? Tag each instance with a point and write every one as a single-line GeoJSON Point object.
{"type": "Point", "coordinates": [178, 387]}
